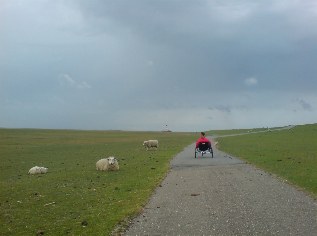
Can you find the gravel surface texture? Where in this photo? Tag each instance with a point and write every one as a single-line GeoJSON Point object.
{"type": "Point", "coordinates": [224, 196]}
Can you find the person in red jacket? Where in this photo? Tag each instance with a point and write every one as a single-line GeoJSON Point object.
{"type": "Point", "coordinates": [203, 139]}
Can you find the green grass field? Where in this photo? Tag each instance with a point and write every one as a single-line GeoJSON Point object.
{"type": "Point", "coordinates": [290, 154]}
{"type": "Point", "coordinates": [232, 131]}
{"type": "Point", "coordinates": [73, 198]}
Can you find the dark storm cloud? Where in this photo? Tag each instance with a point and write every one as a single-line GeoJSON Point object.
{"type": "Point", "coordinates": [218, 43]}
{"type": "Point", "coordinates": [138, 64]}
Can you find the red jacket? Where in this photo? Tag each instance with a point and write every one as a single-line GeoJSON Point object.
{"type": "Point", "coordinates": [202, 140]}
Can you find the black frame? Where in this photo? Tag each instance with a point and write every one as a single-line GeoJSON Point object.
{"type": "Point", "coordinates": [204, 148]}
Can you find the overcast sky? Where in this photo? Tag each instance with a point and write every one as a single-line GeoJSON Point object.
{"type": "Point", "coordinates": [139, 65]}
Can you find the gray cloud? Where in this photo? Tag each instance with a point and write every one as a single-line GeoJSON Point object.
{"type": "Point", "coordinates": [304, 105]}
{"type": "Point", "coordinates": [138, 64]}
{"type": "Point", "coordinates": [67, 80]}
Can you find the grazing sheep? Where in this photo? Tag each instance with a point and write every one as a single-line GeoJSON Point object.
{"type": "Point", "coordinates": [151, 144]}
{"type": "Point", "coordinates": [38, 170]}
{"type": "Point", "coordinates": [110, 163]}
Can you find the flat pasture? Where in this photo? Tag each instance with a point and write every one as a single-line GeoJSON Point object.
{"type": "Point", "coordinates": [290, 154]}
{"type": "Point", "coordinates": [73, 198]}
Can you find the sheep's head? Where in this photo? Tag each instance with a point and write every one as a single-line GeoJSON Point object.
{"type": "Point", "coordinates": [112, 160]}
{"type": "Point", "coordinates": [43, 169]}
{"type": "Point", "coordinates": [145, 143]}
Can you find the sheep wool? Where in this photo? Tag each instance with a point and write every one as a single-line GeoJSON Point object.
{"type": "Point", "coordinates": [38, 170]}
{"type": "Point", "coordinates": [107, 164]}
{"type": "Point", "coordinates": [151, 144]}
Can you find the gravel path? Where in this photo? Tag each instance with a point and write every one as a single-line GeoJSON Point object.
{"type": "Point", "coordinates": [224, 196]}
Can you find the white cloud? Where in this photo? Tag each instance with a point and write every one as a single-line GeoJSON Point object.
{"type": "Point", "coordinates": [251, 81]}
{"type": "Point", "coordinates": [150, 63]}
{"type": "Point", "coordinates": [67, 80]}
{"type": "Point", "coordinates": [233, 12]}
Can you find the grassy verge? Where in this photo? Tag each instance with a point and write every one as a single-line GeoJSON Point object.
{"type": "Point", "coordinates": [233, 131]}
{"type": "Point", "coordinates": [73, 198]}
{"type": "Point", "coordinates": [291, 154]}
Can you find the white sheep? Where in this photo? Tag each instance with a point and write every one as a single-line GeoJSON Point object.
{"type": "Point", "coordinates": [38, 170]}
{"type": "Point", "coordinates": [151, 144]}
{"type": "Point", "coordinates": [110, 163]}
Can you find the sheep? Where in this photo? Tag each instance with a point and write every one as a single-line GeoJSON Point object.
{"type": "Point", "coordinates": [110, 163]}
{"type": "Point", "coordinates": [38, 170]}
{"type": "Point", "coordinates": [151, 143]}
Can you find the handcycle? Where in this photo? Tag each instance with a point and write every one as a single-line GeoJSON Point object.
{"type": "Point", "coordinates": [204, 148]}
